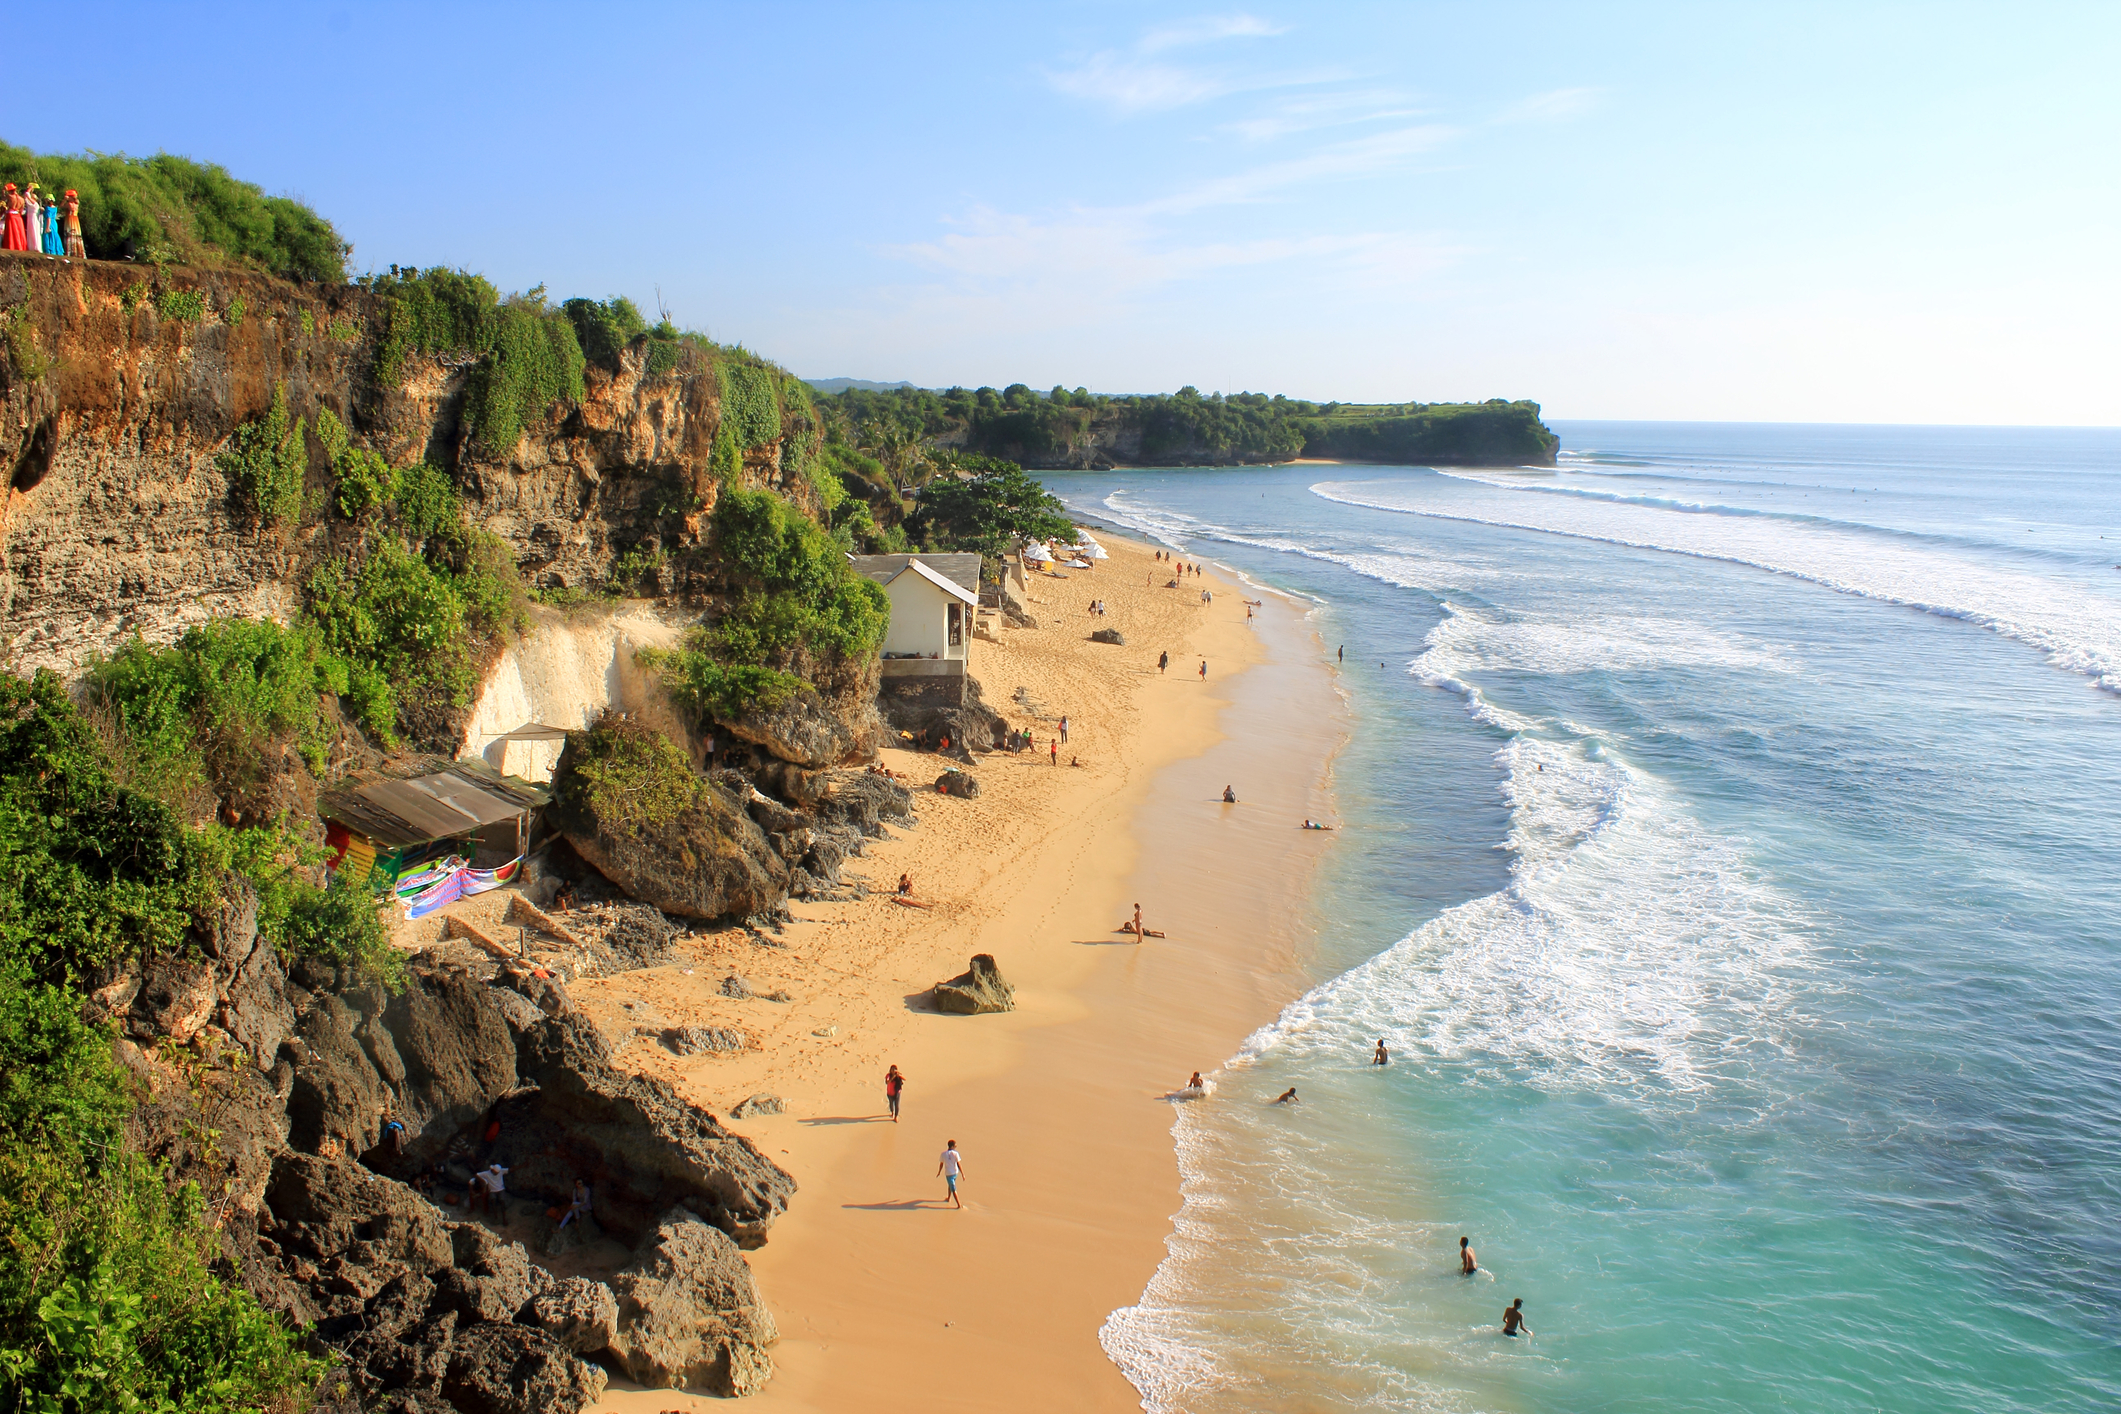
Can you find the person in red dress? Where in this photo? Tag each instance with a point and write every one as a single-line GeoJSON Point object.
{"type": "Point", "coordinates": [17, 226]}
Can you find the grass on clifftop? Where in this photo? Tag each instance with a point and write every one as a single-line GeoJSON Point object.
{"type": "Point", "coordinates": [194, 213]}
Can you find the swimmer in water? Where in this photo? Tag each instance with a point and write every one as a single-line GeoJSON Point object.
{"type": "Point", "coordinates": [1513, 1319]}
{"type": "Point", "coordinates": [1383, 1057]}
{"type": "Point", "coordinates": [1467, 1262]}
{"type": "Point", "coordinates": [1195, 1083]}
{"type": "Point", "coordinates": [1288, 1097]}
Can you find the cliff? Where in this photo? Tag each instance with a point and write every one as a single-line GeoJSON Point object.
{"type": "Point", "coordinates": [121, 383]}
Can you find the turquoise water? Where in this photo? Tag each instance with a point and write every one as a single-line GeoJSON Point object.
{"type": "Point", "coordinates": [1731, 857]}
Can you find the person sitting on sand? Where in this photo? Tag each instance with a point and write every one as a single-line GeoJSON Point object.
{"type": "Point", "coordinates": [1513, 1319]}
{"type": "Point", "coordinates": [579, 1208]}
{"type": "Point", "coordinates": [1382, 1057]}
{"type": "Point", "coordinates": [1467, 1262]}
{"type": "Point", "coordinates": [1229, 795]}
{"type": "Point", "coordinates": [1288, 1097]}
{"type": "Point", "coordinates": [905, 883]}
{"type": "Point", "coordinates": [1137, 926]}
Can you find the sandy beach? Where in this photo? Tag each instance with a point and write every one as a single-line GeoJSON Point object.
{"type": "Point", "coordinates": [887, 1298]}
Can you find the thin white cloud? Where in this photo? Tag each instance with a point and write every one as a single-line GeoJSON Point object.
{"type": "Point", "coordinates": [1132, 81]}
{"type": "Point", "coordinates": [1331, 109]}
{"type": "Point", "coordinates": [1207, 30]}
{"type": "Point", "coordinates": [1359, 157]}
{"type": "Point", "coordinates": [1555, 106]}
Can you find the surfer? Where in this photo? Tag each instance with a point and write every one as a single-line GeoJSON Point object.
{"type": "Point", "coordinates": [1513, 1319]}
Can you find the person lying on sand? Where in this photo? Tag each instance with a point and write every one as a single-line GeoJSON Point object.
{"type": "Point", "coordinates": [1310, 824]}
{"type": "Point", "coordinates": [1288, 1097]}
{"type": "Point", "coordinates": [905, 883]}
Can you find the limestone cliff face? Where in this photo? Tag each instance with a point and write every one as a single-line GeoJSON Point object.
{"type": "Point", "coordinates": [114, 403]}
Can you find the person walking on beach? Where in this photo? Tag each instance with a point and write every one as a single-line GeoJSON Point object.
{"type": "Point", "coordinates": [1467, 1262]}
{"type": "Point", "coordinates": [1383, 1057]}
{"type": "Point", "coordinates": [1053, 749]}
{"type": "Point", "coordinates": [1343, 652]}
{"type": "Point", "coordinates": [1513, 1319]}
{"type": "Point", "coordinates": [1163, 661]}
{"type": "Point", "coordinates": [951, 1167]}
{"type": "Point", "coordinates": [1204, 670]}
{"type": "Point", "coordinates": [894, 1083]}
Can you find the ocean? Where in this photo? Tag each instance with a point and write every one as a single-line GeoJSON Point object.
{"type": "Point", "coordinates": [1729, 854]}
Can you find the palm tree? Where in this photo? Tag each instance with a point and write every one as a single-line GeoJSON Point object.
{"type": "Point", "coordinates": [902, 451]}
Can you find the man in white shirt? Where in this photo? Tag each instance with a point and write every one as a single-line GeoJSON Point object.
{"type": "Point", "coordinates": [950, 1168]}
{"type": "Point", "coordinates": [487, 1186]}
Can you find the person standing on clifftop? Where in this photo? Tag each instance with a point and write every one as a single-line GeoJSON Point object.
{"type": "Point", "coordinates": [71, 208]}
{"type": "Point", "coordinates": [951, 1169]}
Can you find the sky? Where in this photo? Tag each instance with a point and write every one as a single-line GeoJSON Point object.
{"type": "Point", "coordinates": [1712, 211]}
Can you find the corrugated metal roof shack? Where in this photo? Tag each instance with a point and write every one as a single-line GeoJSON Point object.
{"type": "Point", "coordinates": [464, 819]}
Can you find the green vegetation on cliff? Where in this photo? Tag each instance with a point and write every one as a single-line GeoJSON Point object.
{"type": "Point", "coordinates": [109, 1292]}
{"type": "Point", "coordinates": [796, 598]}
{"type": "Point", "coordinates": [1061, 428]}
{"type": "Point", "coordinates": [172, 208]}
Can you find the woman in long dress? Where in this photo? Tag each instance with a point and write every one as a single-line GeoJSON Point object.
{"type": "Point", "coordinates": [74, 248]}
{"type": "Point", "coordinates": [33, 218]}
{"type": "Point", "coordinates": [54, 243]}
{"type": "Point", "coordinates": [17, 237]}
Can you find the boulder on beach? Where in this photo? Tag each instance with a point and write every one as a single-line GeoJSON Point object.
{"type": "Point", "coordinates": [689, 1314]}
{"type": "Point", "coordinates": [627, 799]}
{"type": "Point", "coordinates": [983, 989]}
{"type": "Point", "coordinates": [798, 728]}
{"type": "Point", "coordinates": [958, 783]}
{"type": "Point", "coordinates": [757, 1105]}
{"type": "Point", "coordinates": [1108, 635]}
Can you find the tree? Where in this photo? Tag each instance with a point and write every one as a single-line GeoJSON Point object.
{"type": "Point", "coordinates": [991, 511]}
{"type": "Point", "coordinates": [902, 451]}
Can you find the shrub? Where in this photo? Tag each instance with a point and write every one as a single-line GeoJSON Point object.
{"type": "Point", "coordinates": [798, 585]}
{"type": "Point", "coordinates": [233, 318]}
{"type": "Point", "coordinates": [726, 460]}
{"type": "Point", "coordinates": [628, 776]}
{"type": "Point", "coordinates": [712, 689]}
{"type": "Point", "coordinates": [427, 501]}
{"type": "Point", "coordinates": [435, 311]}
{"type": "Point", "coordinates": [749, 409]}
{"type": "Point", "coordinates": [535, 362]}
{"type": "Point", "coordinates": [208, 706]}
{"type": "Point", "coordinates": [266, 462]}
{"type": "Point", "coordinates": [364, 481]}
{"type": "Point", "coordinates": [604, 328]}
{"type": "Point", "coordinates": [186, 305]}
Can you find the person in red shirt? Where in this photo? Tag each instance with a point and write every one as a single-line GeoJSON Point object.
{"type": "Point", "coordinates": [893, 1084]}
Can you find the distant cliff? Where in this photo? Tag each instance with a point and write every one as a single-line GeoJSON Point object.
{"type": "Point", "coordinates": [1081, 430]}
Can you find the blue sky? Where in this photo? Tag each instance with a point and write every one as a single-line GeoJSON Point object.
{"type": "Point", "coordinates": [1877, 213]}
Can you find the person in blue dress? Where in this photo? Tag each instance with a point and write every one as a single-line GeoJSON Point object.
{"type": "Point", "coordinates": [54, 242]}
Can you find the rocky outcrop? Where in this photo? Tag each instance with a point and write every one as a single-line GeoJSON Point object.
{"type": "Point", "coordinates": [1108, 635]}
{"type": "Point", "coordinates": [755, 1106]}
{"type": "Point", "coordinates": [689, 1314]}
{"type": "Point", "coordinates": [972, 724]}
{"type": "Point", "coordinates": [982, 989]}
{"type": "Point", "coordinates": [704, 858]}
{"type": "Point", "coordinates": [431, 1312]}
{"type": "Point", "coordinates": [801, 730]}
{"type": "Point", "coordinates": [957, 783]}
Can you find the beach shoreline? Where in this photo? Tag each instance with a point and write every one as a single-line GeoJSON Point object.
{"type": "Point", "coordinates": [887, 1298]}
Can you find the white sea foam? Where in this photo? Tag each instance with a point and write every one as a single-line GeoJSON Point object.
{"type": "Point", "coordinates": [2078, 629]}
{"type": "Point", "coordinates": [1634, 953]}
